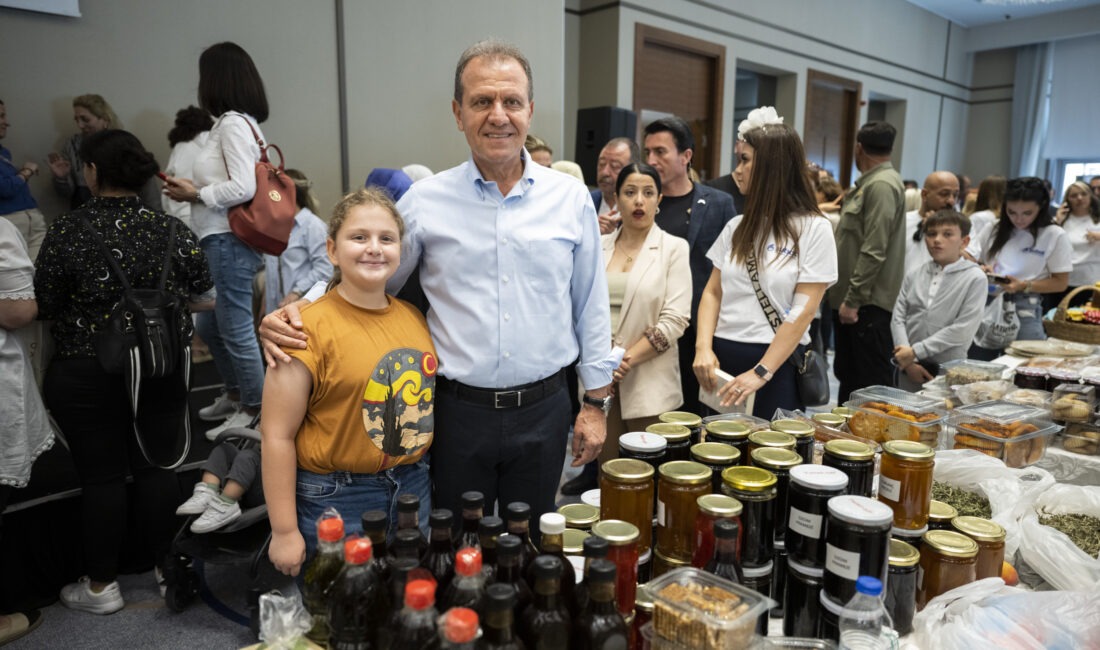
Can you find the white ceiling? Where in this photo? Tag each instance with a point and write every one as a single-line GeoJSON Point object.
{"type": "Point", "coordinates": [972, 13]}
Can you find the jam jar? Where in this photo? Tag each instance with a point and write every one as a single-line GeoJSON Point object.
{"type": "Point", "coordinates": [622, 551]}
{"type": "Point", "coordinates": [900, 595]}
{"type": "Point", "coordinates": [717, 456]}
{"type": "Point", "coordinates": [626, 494]}
{"type": "Point", "coordinates": [732, 433]}
{"type": "Point", "coordinates": [990, 537]}
{"type": "Point", "coordinates": [649, 447]}
{"type": "Point", "coordinates": [843, 411]}
{"type": "Point", "coordinates": [857, 543]}
{"type": "Point", "coordinates": [678, 438]}
{"type": "Point", "coordinates": [854, 458]}
{"type": "Point", "coordinates": [759, 579]}
{"type": "Point", "coordinates": [947, 560]}
{"type": "Point", "coordinates": [680, 485]}
{"type": "Point", "coordinates": [801, 604]}
{"type": "Point", "coordinates": [911, 537]}
{"type": "Point", "coordinates": [831, 420]}
{"type": "Point", "coordinates": [779, 577]}
{"type": "Point", "coordinates": [778, 462]}
{"type": "Point", "coordinates": [693, 422]}
{"type": "Point", "coordinates": [905, 482]}
{"type": "Point", "coordinates": [803, 433]}
{"type": "Point", "coordinates": [770, 439]}
{"type": "Point", "coordinates": [662, 564]}
{"type": "Point", "coordinates": [579, 515]}
{"type": "Point", "coordinates": [713, 507]}
{"type": "Point", "coordinates": [643, 611]}
{"type": "Point", "coordinates": [755, 488]}
{"type": "Point", "coordinates": [808, 495]}
{"type": "Point", "coordinates": [940, 515]}
{"type": "Point", "coordinates": [1029, 377]}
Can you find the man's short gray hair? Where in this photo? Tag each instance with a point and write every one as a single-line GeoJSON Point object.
{"type": "Point", "coordinates": [493, 50]}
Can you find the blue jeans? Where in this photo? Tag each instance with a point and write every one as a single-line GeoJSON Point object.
{"type": "Point", "coordinates": [353, 494]}
{"type": "Point", "coordinates": [1029, 309]}
{"type": "Point", "coordinates": [229, 330]}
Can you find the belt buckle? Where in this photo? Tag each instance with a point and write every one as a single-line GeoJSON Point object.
{"type": "Point", "coordinates": [508, 396]}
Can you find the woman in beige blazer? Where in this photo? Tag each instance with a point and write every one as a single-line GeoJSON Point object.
{"type": "Point", "coordinates": [649, 282]}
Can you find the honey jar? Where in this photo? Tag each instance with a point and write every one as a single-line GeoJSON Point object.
{"type": "Point", "coordinates": [947, 560]}
{"type": "Point", "coordinates": [626, 494]}
{"type": "Point", "coordinates": [905, 482]}
{"type": "Point", "coordinates": [679, 487]}
{"type": "Point", "coordinates": [990, 537]}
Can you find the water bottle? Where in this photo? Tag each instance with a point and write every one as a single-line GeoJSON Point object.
{"type": "Point", "coordinates": [864, 623]}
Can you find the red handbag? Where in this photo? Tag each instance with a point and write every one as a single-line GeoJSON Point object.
{"type": "Point", "coordinates": [265, 222]}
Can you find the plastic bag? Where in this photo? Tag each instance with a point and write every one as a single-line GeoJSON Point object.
{"type": "Point", "coordinates": [1050, 552]}
{"type": "Point", "coordinates": [999, 325]}
{"type": "Point", "coordinates": [987, 614]}
{"type": "Point", "coordinates": [982, 391]}
{"type": "Point", "coordinates": [283, 622]}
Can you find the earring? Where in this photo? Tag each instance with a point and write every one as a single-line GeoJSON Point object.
{"type": "Point", "coordinates": [658, 210]}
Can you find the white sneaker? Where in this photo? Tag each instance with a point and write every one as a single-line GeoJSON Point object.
{"type": "Point", "coordinates": [222, 408]}
{"type": "Point", "coordinates": [162, 584]}
{"type": "Point", "coordinates": [200, 497]}
{"type": "Point", "coordinates": [79, 595]}
{"type": "Point", "coordinates": [217, 514]}
{"type": "Point", "coordinates": [238, 419]}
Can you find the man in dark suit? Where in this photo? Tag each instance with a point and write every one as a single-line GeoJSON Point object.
{"type": "Point", "coordinates": [616, 154]}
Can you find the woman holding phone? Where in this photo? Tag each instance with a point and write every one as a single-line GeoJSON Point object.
{"type": "Point", "coordinates": [1079, 216]}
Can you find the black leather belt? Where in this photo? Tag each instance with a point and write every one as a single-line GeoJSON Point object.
{"type": "Point", "coordinates": [504, 398]}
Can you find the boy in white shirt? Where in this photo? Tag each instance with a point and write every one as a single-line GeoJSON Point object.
{"type": "Point", "coordinates": [940, 305]}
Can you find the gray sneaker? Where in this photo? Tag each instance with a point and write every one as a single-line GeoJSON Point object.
{"type": "Point", "coordinates": [222, 408]}
{"type": "Point", "coordinates": [200, 497]}
{"type": "Point", "coordinates": [79, 595]}
{"type": "Point", "coordinates": [217, 514]}
{"type": "Point", "coordinates": [238, 419]}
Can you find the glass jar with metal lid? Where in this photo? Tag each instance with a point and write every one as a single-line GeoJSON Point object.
{"type": "Point", "coordinates": [911, 537]}
{"type": "Point", "coordinates": [778, 462]}
{"type": "Point", "coordinates": [572, 542]}
{"type": "Point", "coordinates": [679, 486]}
{"type": "Point", "coordinates": [732, 433]}
{"type": "Point", "coordinates": [779, 577]}
{"type": "Point", "coordinates": [643, 611]}
{"type": "Point", "coordinates": [755, 488]}
{"type": "Point", "coordinates": [830, 419]}
{"type": "Point", "coordinates": [580, 516]}
{"type": "Point", "coordinates": [801, 604]}
{"type": "Point", "coordinates": [1030, 377]}
{"type": "Point", "coordinates": [717, 456]}
{"type": "Point", "coordinates": [900, 592]}
{"type": "Point", "coordinates": [940, 515]}
{"type": "Point", "coordinates": [947, 560]}
{"type": "Point", "coordinates": [843, 411]}
{"type": "Point", "coordinates": [712, 507]}
{"type": "Point", "coordinates": [772, 439]}
{"type": "Point", "coordinates": [990, 537]}
{"type": "Point", "coordinates": [759, 579]}
{"type": "Point", "coordinates": [678, 438]}
{"type": "Point", "coordinates": [640, 445]}
{"type": "Point", "coordinates": [622, 551]}
{"type": "Point", "coordinates": [810, 489]}
{"type": "Point", "coordinates": [662, 564]}
{"type": "Point", "coordinates": [693, 422]}
{"type": "Point", "coordinates": [803, 433]}
{"type": "Point", "coordinates": [627, 494]}
{"type": "Point", "coordinates": [854, 458]}
{"type": "Point", "coordinates": [905, 481]}
{"type": "Point", "coordinates": [857, 543]}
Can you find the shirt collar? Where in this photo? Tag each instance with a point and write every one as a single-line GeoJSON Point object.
{"type": "Point", "coordinates": [527, 178]}
{"type": "Point", "coordinates": [866, 176]}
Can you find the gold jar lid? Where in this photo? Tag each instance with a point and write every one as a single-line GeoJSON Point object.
{"type": "Point", "coordinates": [717, 453]}
{"type": "Point", "coordinates": [643, 599]}
{"type": "Point", "coordinates": [950, 543]}
{"type": "Point", "coordinates": [627, 470]}
{"type": "Point", "coordinates": [689, 420]}
{"type": "Point", "coordinates": [908, 450]}
{"type": "Point", "coordinates": [748, 479]}
{"type": "Point", "coordinates": [772, 439]}
{"type": "Point", "coordinates": [572, 541]}
{"type": "Point", "coordinates": [616, 531]}
{"type": "Point", "coordinates": [727, 430]}
{"type": "Point", "coordinates": [903, 554]}
{"type": "Point", "coordinates": [671, 432]}
{"type": "Point", "coordinates": [684, 472]}
{"type": "Point", "coordinates": [850, 449]}
{"type": "Point", "coordinates": [797, 428]}
{"type": "Point", "coordinates": [671, 562]}
{"type": "Point", "coordinates": [775, 458]}
{"type": "Point", "coordinates": [843, 411]}
{"type": "Point", "coordinates": [579, 515]}
{"type": "Point", "coordinates": [979, 529]}
{"type": "Point", "coordinates": [941, 512]}
{"type": "Point", "coordinates": [719, 505]}
{"type": "Point", "coordinates": [829, 419]}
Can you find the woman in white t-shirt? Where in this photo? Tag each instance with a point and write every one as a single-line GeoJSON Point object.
{"type": "Point", "coordinates": [1079, 216]}
{"type": "Point", "coordinates": [785, 238]}
{"type": "Point", "coordinates": [1030, 252]}
{"type": "Point", "coordinates": [991, 195]}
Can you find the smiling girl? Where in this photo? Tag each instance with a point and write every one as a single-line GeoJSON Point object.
{"type": "Point", "coordinates": [345, 424]}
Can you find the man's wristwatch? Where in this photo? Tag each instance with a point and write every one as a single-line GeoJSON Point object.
{"type": "Point", "coordinates": [762, 371]}
{"type": "Point", "coordinates": [602, 403]}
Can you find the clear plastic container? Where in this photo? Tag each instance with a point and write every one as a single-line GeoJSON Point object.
{"type": "Point", "coordinates": [881, 413]}
{"type": "Point", "coordinates": [1081, 438]}
{"type": "Point", "coordinates": [967, 371]}
{"type": "Point", "coordinates": [1016, 434]}
{"type": "Point", "coordinates": [1073, 403]}
{"type": "Point", "coordinates": [704, 612]}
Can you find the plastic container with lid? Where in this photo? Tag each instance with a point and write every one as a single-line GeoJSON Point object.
{"type": "Point", "coordinates": [622, 551]}
{"type": "Point", "coordinates": [717, 456]}
{"type": "Point", "coordinates": [947, 560]}
{"type": "Point", "coordinates": [959, 372]}
{"type": "Point", "coordinates": [1081, 438]}
{"type": "Point", "coordinates": [1016, 434]}
{"type": "Point", "coordinates": [900, 594]}
{"type": "Point", "coordinates": [905, 482]}
{"type": "Point", "coordinates": [940, 515]}
{"type": "Point", "coordinates": [811, 487]}
{"type": "Point", "coordinates": [712, 507]}
{"type": "Point", "coordinates": [857, 543]}
{"type": "Point", "coordinates": [990, 537]}
{"type": "Point", "coordinates": [803, 432]}
{"type": "Point", "coordinates": [751, 421]}
{"type": "Point", "coordinates": [856, 460]}
{"type": "Point", "coordinates": [755, 488]}
{"type": "Point", "coordinates": [579, 515]}
{"type": "Point", "coordinates": [1030, 377]}
{"type": "Point", "coordinates": [677, 437]}
{"type": "Point", "coordinates": [704, 612]}
{"type": "Point", "coordinates": [881, 413]}
{"type": "Point", "coordinates": [1073, 403]}
{"type": "Point", "coordinates": [778, 462]}
{"type": "Point", "coordinates": [690, 420]}
{"type": "Point", "coordinates": [801, 599]}
{"type": "Point", "coordinates": [679, 486]}
{"type": "Point", "coordinates": [730, 432]}
{"type": "Point", "coordinates": [627, 494]}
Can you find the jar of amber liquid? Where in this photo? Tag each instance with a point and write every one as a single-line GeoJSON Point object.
{"type": "Point", "coordinates": [626, 494]}
{"type": "Point", "coordinates": [778, 462]}
{"type": "Point", "coordinates": [732, 433]}
{"type": "Point", "coordinates": [622, 551]}
{"type": "Point", "coordinates": [905, 482]}
{"type": "Point", "coordinates": [678, 438]}
{"type": "Point", "coordinates": [947, 560]}
{"type": "Point", "coordinates": [771, 439]}
{"type": "Point", "coordinates": [856, 460]}
{"type": "Point", "coordinates": [580, 516]}
{"type": "Point", "coordinates": [663, 564]}
{"type": "Point", "coordinates": [940, 515]}
{"type": "Point", "coordinates": [679, 486]}
{"type": "Point", "coordinates": [713, 507]}
{"type": "Point", "coordinates": [693, 422]}
{"type": "Point", "coordinates": [803, 433]}
{"type": "Point", "coordinates": [717, 457]}
{"type": "Point", "coordinates": [990, 537]}
{"type": "Point", "coordinates": [755, 488]}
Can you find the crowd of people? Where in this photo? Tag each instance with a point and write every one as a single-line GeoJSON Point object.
{"type": "Point", "coordinates": [559, 316]}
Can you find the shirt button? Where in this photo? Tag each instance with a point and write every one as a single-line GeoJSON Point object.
{"type": "Point", "coordinates": [504, 241]}
{"type": "Point", "coordinates": [507, 355]}
{"type": "Point", "coordinates": [507, 317]}
{"type": "Point", "coordinates": [505, 279]}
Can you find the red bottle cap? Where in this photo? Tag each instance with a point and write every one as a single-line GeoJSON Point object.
{"type": "Point", "coordinates": [468, 561]}
{"type": "Point", "coordinates": [330, 530]}
{"type": "Point", "coordinates": [420, 594]}
{"type": "Point", "coordinates": [460, 625]}
{"type": "Point", "coordinates": [357, 550]}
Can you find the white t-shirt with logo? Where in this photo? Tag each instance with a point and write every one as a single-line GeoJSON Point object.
{"type": "Point", "coordinates": [916, 252]}
{"type": "Point", "coordinates": [1086, 254]}
{"type": "Point", "coordinates": [1028, 259]}
{"type": "Point", "coordinates": [740, 316]}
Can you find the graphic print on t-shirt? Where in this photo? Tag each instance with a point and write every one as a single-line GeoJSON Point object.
{"type": "Point", "coordinates": [397, 403]}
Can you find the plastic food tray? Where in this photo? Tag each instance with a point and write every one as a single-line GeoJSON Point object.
{"type": "Point", "coordinates": [967, 371]}
{"type": "Point", "coordinates": [1081, 438]}
{"type": "Point", "coordinates": [1073, 402]}
{"type": "Point", "coordinates": [684, 604]}
{"type": "Point", "coordinates": [881, 413]}
{"type": "Point", "coordinates": [1016, 434]}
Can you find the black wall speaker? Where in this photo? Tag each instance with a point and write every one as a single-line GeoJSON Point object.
{"type": "Point", "coordinates": [595, 126]}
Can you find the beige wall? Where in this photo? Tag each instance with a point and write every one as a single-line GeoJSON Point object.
{"type": "Point", "coordinates": [988, 126]}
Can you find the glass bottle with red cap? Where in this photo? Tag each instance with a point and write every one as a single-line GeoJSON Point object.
{"type": "Point", "coordinates": [355, 608]}
{"type": "Point", "coordinates": [468, 587]}
{"type": "Point", "coordinates": [416, 625]}
{"type": "Point", "coordinates": [321, 571]}
{"type": "Point", "coordinates": [458, 629]}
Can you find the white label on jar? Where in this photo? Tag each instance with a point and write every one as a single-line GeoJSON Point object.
{"type": "Point", "coordinates": [660, 513]}
{"type": "Point", "coordinates": [842, 563]}
{"type": "Point", "coordinates": [889, 488]}
{"type": "Point", "coordinates": [805, 524]}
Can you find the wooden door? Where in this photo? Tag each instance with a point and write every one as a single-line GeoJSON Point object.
{"type": "Point", "coordinates": [832, 120]}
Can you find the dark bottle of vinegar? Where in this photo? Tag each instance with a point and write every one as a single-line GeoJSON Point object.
{"type": "Point", "coordinates": [320, 572]}
{"type": "Point", "coordinates": [517, 517]}
{"type": "Point", "coordinates": [473, 506]}
{"type": "Point", "coordinates": [509, 572]}
{"type": "Point", "coordinates": [355, 605]}
{"type": "Point", "coordinates": [595, 548]}
{"type": "Point", "coordinates": [552, 529]}
{"type": "Point", "coordinates": [440, 559]}
{"type": "Point", "coordinates": [489, 530]}
{"type": "Point", "coordinates": [600, 626]}
{"type": "Point", "coordinates": [408, 518]}
{"type": "Point", "coordinates": [546, 624]}
{"type": "Point", "coordinates": [724, 563]}
{"type": "Point", "coordinates": [498, 627]}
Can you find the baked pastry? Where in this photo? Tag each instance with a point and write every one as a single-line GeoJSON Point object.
{"type": "Point", "coordinates": [689, 628]}
{"type": "Point", "coordinates": [1082, 439]}
{"type": "Point", "coordinates": [1071, 407]}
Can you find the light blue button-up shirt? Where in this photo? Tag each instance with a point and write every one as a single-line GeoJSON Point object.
{"type": "Point", "coordinates": [516, 283]}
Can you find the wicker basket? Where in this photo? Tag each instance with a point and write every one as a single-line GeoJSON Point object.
{"type": "Point", "coordinates": [1061, 327]}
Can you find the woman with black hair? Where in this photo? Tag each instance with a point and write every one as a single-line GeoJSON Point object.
{"type": "Point", "coordinates": [77, 289]}
{"type": "Point", "coordinates": [187, 138]}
